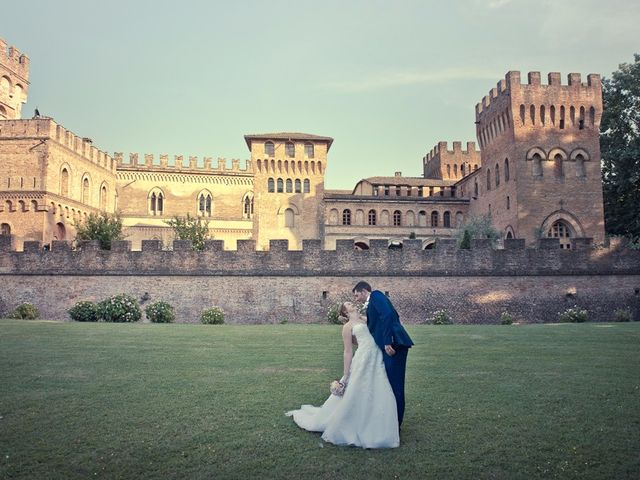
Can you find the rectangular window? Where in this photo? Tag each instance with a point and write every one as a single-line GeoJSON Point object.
{"type": "Point", "coordinates": [308, 150]}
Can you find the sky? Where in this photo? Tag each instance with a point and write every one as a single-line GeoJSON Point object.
{"type": "Point", "coordinates": [386, 80]}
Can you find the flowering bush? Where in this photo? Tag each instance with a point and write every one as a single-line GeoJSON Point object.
{"type": "Point", "coordinates": [506, 318]}
{"type": "Point", "coordinates": [623, 315]}
{"type": "Point", "coordinates": [119, 308]}
{"type": "Point", "coordinates": [160, 312]}
{"type": "Point", "coordinates": [440, 317]}
{"type": "Point", "coordinates": [84, 312]}
{"type": "Point", "coordinates": [25, 311]}
{"type": "Point", "coordinates": [212, 316]}
{"type": "Point", "coordinates": [573, 315]}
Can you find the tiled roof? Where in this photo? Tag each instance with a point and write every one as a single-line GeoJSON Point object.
{"type": "Point", "coordinates": [287, 136]}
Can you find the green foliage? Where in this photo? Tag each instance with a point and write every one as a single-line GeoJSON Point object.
{"type": "Point", "coordinates": [212, 316]}
{"type": "Point", "coordinates": [412, 236]}
{"type": "Point", "coordinates": [506, 318]}
{"type": "Point", "coordinates": [191, 228]}
{"type": "Point", "coordinates": [333, 314]}
{"type": "Point", "coordinates": [573, 315]}
{"type": "Point", "coordinates": [119, 308]}
{"type": "Point", "coordinates": [160, 312]}
{"type": "Point", "coordinates": [103, 227]}
{"type": "Point", "coordinates": [623, 314]}
{"type": "Point", "coordinates": [620, 150]}
{"type": "Point", "coordinates": [440, 317]}
{"type": "Point", "coordinates": [84, 311]}
{"type": "Point", "coordinates": [465, 242]}
{"type": "Point", "coordinates": [478, 226]}
{"type": "Point", "coordinates": [25, 311]}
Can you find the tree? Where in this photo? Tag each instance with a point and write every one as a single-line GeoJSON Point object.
{"type": "Point", "coordinates": [480, 226]}
{"type": "Point", "coordinates": [191, 228]}
{"type": "Point", "coordinates": [103, 227]}
{"type": "Point", "coordinates": [620, 150]}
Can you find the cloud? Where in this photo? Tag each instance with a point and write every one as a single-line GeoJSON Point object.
{"type": "Point", "coordinates": [401, 79]}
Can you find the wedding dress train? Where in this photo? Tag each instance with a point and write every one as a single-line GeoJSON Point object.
{"type": "Point", "coordinates": [366, 415]}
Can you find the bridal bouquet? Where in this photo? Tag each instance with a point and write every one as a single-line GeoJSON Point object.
{"type": "Point", "coordinates": [337, 388]}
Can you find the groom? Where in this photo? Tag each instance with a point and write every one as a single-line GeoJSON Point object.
{"type": "Point", "coordinates": [390, 336]}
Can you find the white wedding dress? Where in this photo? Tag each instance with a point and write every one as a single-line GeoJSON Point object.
{"type": "Point", "coordinates": [366, 415]}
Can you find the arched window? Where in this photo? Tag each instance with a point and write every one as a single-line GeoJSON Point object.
{"type": "Point", "coordinates": [532, 114]}
{"type": "Point", "coordinates": [64, 182]}
{"type": "Point", "coordinates": [434, 218]}
{"type": "Point", "coordinates": [280, 185]}
{"type": "Point", "coordinates": [558, 169]}
{"type": "Point", "coordinates": [289, 218]}
{"type": "Point", "coordinates": [580, 170]}
{"type": "Point", "coordinates": [506, 169]}
{"type": "Point", "coordinates": [290, 149]}
{"type": "Point", "coordinates": [269, 149]}
{"type": "Point", "coordinates": [298, 185]}
{"type": "Point", "coordinates": [307, 186]}
{"type": "Point", "coordinates": [5, 229]}
{"type": "Point", "coordinates": [562, 231]}
{"type": "Point", "coordinates": [271, 186]}
{"type": "Point", "coordinates": [289, 186]}
{"type": "Point", "coordinates": [448, 171]}
{"type": "Point", "coordinates": [455, 170]}
{"type": "Point", "coordinates": [156, 202]}
{"type": "Point", "coordinates": [488, 179]}
{"type": "Point", "coordinates": [85, 190]}
{"type": "Point", "coordinates": [497, 175]}
{"type": "Point", "coordinates": [372, 217]}
{"type": "Point", "coordinates": [592, 116]}
{"type": "Point", "coordinates": [247, 206]}
{"type": "Point", "coordinates": [346, 217]}
{"type": "Point", "coordinates": [422, 218]}
{"type": "Point", "coordinates": [561, 117]}
{"type": "Point", "coordinates": [204, 204]}
{"type": "Point", "coordinates": [537, 165]}
{"type": "Point", "coordinates": [308, 150]}
{"type": "Point", "coordinates": [103, 197]}
{"type": "Point", "coordinates": [397, 218]}
{"type": "Point", "coordinates": [522, 115]}
{"type": "Point", "coordinates": [462, 170]}
{"type": "Point", "coordinates": [446, 220]}
{"type": "Point", "coordinates": [552, 114]}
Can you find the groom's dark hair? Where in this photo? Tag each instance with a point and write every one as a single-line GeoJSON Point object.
{"type": "Point", "coordinates": [362, 286]}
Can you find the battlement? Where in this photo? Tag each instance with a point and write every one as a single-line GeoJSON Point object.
{"type": "Point", "coordinates": [441, 148]}
{"type": "Point", "coordinates": [17, 62]}
{"type": "Point", "coordinates": [512, 83]}
{"type": "Point", "coordinates": [411, 260]}
{"type": "Point", "coordinates": [46, 128]}
{"type": "Point", "coordinates": [179, 163]}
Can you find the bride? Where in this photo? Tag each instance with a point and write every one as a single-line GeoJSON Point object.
{"type": "Point", "coordinates": [366, 415]}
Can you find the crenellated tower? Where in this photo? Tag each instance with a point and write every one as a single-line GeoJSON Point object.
{"type": "Point", "coordinates": [14, 81]}
{"type": "Point", "coordinates": [444, 164]}
{"type": "Point", "coordinates": [540, 156]}
{"type": "Point", "coordinates": [288, 186]}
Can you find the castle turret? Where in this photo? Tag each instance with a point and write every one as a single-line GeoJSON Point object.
{"type": "Point", "coordinates": [444, 164]}
{"type": "Point", "coordinates": [14, 81]}
{"type": "Point", "coordinates": [545, 140]}
{"type": "Point", "coordinates": [289, 186]}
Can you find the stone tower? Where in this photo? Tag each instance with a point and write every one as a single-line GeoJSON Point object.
{"type": "Point", "coordinates": [288, 186]}
{"type": "Point", "coordinates": [540, 156]}
{"type": "Point", "coordinates": [14, 81]}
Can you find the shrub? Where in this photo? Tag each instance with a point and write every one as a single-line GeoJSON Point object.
{"type": "Point", "coordinates": [573, 315]}
{"type": "Point", "coordinates": [212, 316]}
{"type": "Point", "coordinates": [440, 317]}
{"type": "Point", "coordinates": [119, 308]}
{"type": "Point", "coordinates": [623, 315]}
{"type": "Point", "coordinates": [160, 312]}
{"type": "Point", "coordinates": [84, 311]}
{"type": "Point", "coordinates": [103, 227]}
{"type": "Point", "coordinates": [465, 242]}
{"type": "Point", "coordinates": [506, 318]}
{"type": "Point", "coordinates": [25, 311]}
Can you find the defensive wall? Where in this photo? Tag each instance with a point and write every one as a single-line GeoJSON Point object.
{"type": "Point", "coordinates": [148, 162]}
{"type": "Point", "coordinates": [474, 286]}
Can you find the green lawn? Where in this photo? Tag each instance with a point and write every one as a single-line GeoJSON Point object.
{"type": "Point", "coordinates": [195, 401]}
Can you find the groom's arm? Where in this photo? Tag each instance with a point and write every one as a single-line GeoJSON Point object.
{"type": "Point", "coordinates": [385, 312]}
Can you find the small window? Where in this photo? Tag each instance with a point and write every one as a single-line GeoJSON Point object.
{"type": "Point", "coordinates": [307, 186]}
{"type": "Point", "coordinates": [271, 185]}
{"type": "Point", "coordinates": [386, 190]}
{"type": "Point", "coordinates": [346, 217]}
{"type": "Point", "coordinates": [290, 149]}
{"type": "Point", "coordinates": [280, 185]}
{"type": "Point", "coordinates": [562, 231]}
{"type": "Point", "coordinates": [289, 218]}
{"type": "Point", "coordinates": [156, 203]}
{"type": "Point", "coordinates": [506, 169]}
{"type": "Point", "coordinates": [298, 186]}
{"type": "Point", "coordinates": [289, 186]}
{"type": "Point", "coordinates": [204, 204]}
{"type": "Point", "coordinates": [269, 149]}
{"type": "Point", "coordinates": [5, 229]}
{"type": "Point", "coordinates": [558, 169]}
{"type": "Point", "coordinates": [309, 150]}
{"type": "Point", "coordinates": [446, 220]}
{"type": "Point", "coordinates": [434, 219]}
{"type": "Point", "coordinates": [398, 190]}
{"type": "Point", "coordinates": [247, 207]}
{"type": "Point", "coordinates": [497, 175]}
{"type": "Point", "coordinates": [488, 180]}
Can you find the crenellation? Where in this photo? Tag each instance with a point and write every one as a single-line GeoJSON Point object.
{"type": "Point", "coordinates": [15, 60]}
{"type": "Point", "coordinates": [575, 80]}
{"type": "Point", "coordinates": [148, 159]}
{"type": "Point", "coordinates": [593, 80]}
{"type": "Point", "coordinates": [554, 79]}
{"type": "Point", "coordinates": [493, 93]}
{"type": "Point", "coordinates": [533, 78]}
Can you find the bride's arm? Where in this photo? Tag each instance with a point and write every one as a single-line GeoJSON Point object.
{"type": "Point", "coordinates": [348, 350]}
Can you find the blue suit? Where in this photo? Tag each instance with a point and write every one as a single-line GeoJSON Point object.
{"type": "Point", "coordinates": [386, 329]}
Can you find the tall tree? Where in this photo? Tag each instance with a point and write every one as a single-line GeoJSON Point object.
{"type": "Point", "coordinates": [191, 228]}
{"type": "Point", "coordinates": [103, 227]}
{"type": "Point", "coordinates": [620, 149]}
